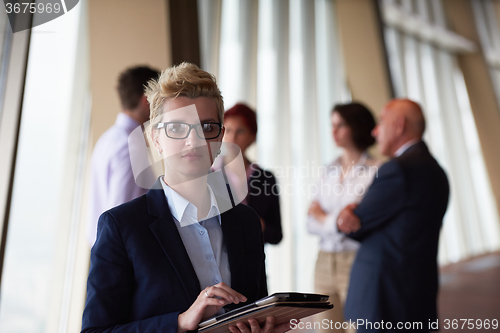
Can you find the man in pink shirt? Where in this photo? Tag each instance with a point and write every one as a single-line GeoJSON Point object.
{"type": "Point", "coordinates": [112, 179]}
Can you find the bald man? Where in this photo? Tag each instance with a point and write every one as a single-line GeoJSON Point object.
{"type": "Point", "coordinates": [394, 278]}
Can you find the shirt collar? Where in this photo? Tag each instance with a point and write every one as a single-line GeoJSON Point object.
{"type": "Point", "coordinates": [125, 121]}
{"type": "Point", "coordinates": [405, 147]}
{"type": "Point", "coordinates": [184, 211]}
{"type": "Point", "coordinates": [361, 162]}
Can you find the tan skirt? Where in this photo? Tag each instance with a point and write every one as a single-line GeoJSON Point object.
{"type": "Point", "coordinates": [331, 277]}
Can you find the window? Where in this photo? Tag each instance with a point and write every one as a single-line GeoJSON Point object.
{"type": "Point", "coordinates": [40, 255]}
{"type": "Point", "coordinates": [424, 68]}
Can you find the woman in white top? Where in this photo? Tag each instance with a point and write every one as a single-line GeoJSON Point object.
{"type": "Point", "coordinates": [344, 182]}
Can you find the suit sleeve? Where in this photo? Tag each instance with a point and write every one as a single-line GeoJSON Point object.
{"type": "Point", "coordinates": [263, 279]}
{"type": "Point", "coordinates": [110, 285]}
{"type": "Point", "coordinates": [263, 292]}
{"type": "Point", "coordinates": [272, 220]}
{"type": "Point", "coordinates": [383, 201]}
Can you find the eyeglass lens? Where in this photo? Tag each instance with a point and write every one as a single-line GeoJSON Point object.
{"type": "Point", "coordinates": [204, 131]}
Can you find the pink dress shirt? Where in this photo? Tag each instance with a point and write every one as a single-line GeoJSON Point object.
{"type": "Point", "coordinates": [112, 180]}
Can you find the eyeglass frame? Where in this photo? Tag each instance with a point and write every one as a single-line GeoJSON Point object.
{"type": "Point", "coordinates": [191, 126]}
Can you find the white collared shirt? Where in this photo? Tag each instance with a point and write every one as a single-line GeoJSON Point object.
{"type": "Point", "coordinates": [336, 189]}
{"type": "Point", "coordinates": [184, 211]}
{"type": "Point", "coordinates": [405, 147]}
{"type": "Point", "coordinates": [203, 239]}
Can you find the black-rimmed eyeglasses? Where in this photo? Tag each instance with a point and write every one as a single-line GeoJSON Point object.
{"type": "Point", "coordinates": [178, 130]}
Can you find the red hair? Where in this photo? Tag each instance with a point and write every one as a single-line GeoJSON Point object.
{"type": "Point", "coordinates": [248, 115]}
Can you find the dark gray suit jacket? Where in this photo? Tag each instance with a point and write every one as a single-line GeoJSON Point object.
{"type": "Point", "coordinates": [394, 277]}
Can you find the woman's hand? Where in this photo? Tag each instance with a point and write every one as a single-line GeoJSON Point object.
{"type": "Point", "coordinates": [347, 221]}
{"type": "Point", "coordinates": [208, 302]}
{"type": "Point", "coordinates": [255, 327]}
{"type": "Point", "coordinates": [317, 212]}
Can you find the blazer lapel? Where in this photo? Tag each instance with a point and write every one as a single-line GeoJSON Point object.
{"type": "Point", "coordinates": [233, 238]}
{"type": "Point", "coordinates": [170, 241]}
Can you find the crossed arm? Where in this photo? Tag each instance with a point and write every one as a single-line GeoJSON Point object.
{"type": "Point", "coordinates": [382, 202]}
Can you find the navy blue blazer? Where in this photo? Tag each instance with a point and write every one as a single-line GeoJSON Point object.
{"type": "Point", "coordinates": [395, 275]}
{"type": "Point", "coordinates": [141, 277]}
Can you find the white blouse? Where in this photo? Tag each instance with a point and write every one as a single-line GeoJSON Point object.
{"type": "Point", "coordinates": [337, 188]}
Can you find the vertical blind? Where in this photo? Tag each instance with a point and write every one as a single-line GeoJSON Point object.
{"type": "Point", "coordinates": [282, 58]}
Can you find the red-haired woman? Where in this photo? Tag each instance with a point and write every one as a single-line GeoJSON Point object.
{"type": "Point", "coordinates": [240, 123]}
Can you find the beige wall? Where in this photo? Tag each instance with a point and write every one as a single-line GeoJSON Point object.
{"type": "Point", "coordinates": [480, 88]}
{"type": "Point", "coordinates": [363, 52]}
{"type": "Point", "coordinates": [496, 5]}
{"type": "Point", "coordinates": [123, 33]}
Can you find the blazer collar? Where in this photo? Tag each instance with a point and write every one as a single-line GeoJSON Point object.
{"type": "Point", "coordinates": [170, 241]}
{"type": "Point", "coordinates": [419, 146]}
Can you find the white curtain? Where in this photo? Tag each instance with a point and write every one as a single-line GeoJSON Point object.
{"type": "Point", "coordinates": [282, 58]}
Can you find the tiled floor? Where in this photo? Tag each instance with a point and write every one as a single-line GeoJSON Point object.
{"type": "Point", "coordinates": [468, 290]}
{"type": "Point", "coordinates": [471, 290]}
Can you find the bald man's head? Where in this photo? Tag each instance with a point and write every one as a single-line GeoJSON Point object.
{"type": "Point", "coordinates": [413, 115]}
{"type": "Point", "coordinates": [401, 120]}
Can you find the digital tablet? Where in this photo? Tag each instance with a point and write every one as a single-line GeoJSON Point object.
{"type": "Point", "coordinates": [288, 297]}
{"type": "Point", "coordinates": [282, 312]}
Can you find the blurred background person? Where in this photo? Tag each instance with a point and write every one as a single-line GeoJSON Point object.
{"type": "Point", "coordinates": [395, 275]}
{"type": "Point", "coordinates": [344, 182]}
{"type": "Point", "coordinates": [112, 180]}
{"type": "Point", "coordinates": [240, 123]}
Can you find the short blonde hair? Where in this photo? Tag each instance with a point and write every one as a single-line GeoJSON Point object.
{"type": "Point", "coordinates": [186, 80]}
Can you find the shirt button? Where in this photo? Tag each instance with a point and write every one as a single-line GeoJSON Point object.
{"type": "Point", "coordinates": [209, 256]}
{"type": "Point", "coordinates": [202, 232]}
{"type": "Point", "coordinates": [216, 281]}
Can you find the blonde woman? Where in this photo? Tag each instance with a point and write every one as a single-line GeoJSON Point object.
{"type": "Point", "coordinates": [170, 259]}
